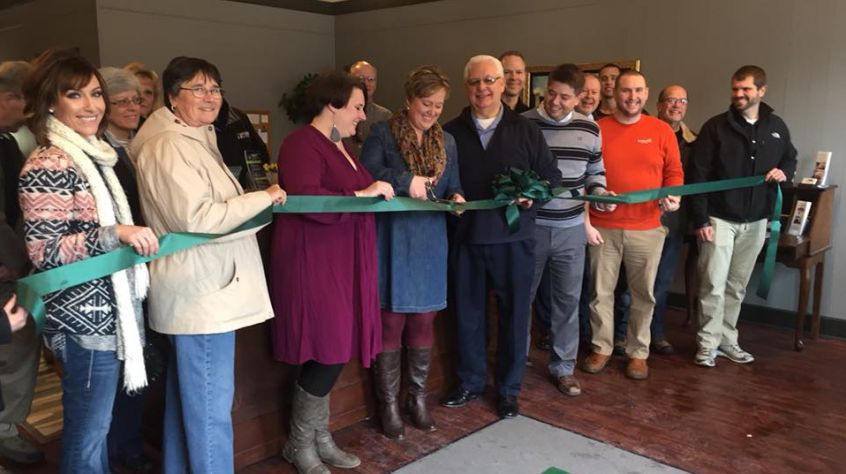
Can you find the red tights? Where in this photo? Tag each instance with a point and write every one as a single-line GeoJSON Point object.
{"type": "Point", "coordinates": [417, 328]}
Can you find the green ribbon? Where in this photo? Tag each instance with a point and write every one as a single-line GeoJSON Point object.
{"type": "Point", "coordinates": [517, 184]}
{"type": "Point", "coordinates": [772, 248]}
{"type": "Point", "coordinates": [32, 289]}
{"type": "Point", "coordinates": [646, 195]}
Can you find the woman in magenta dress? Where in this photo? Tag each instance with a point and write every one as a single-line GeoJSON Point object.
{"type": "Point", "coordinates": [324, 282]}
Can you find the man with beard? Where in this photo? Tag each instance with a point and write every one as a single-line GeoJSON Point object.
{"type": "Point", "coordinates": [640, 152]}
{"type": "Point", "coordinates": [608, 75]}
{"type": "Point", "coordinates": [514, 70]}
{"type": "Point", "coordinates": [491, 139]}
{"type": "Point", "coordinates": [747, 140]}
{"type": "Point", "coordinates": [589, 98]}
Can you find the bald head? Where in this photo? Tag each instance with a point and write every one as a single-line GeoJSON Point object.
{"type": "Point", "coordinates": [672, 105]}
{"type": "Point", "coordinates": [589, 98]}
{"type": "Point", "coordinates": [367, 73]}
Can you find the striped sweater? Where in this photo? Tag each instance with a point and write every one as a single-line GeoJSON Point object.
{"type": "Point", "coordinates": [576, 144]}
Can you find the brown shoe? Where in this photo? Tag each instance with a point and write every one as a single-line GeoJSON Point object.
{"type": "Point", "coordinates": [569, 385]}
{"type": "Point", "coordinates": [637, 369]}
{"type": "Point", "coordinates": [595, 362]}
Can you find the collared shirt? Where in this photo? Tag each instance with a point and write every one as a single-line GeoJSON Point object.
{"type": "Point", "coordinates": [485, 134]}
{"type": "Point", "coordinates": [562, 121]}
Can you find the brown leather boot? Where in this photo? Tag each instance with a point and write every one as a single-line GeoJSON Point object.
{"type": "Point", "coordinates": [419, 360]}
{"type": "Point", "coordinates": [387, 376]}
{"type": "Point", "coordinates": [637, 369]}
{"type": "Point", "coordinates": [595, 362]}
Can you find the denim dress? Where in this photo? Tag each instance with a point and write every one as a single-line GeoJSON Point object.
{"type": "Point", "coordinates": [412, 246]}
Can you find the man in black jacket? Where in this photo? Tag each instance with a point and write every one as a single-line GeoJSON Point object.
{"type": "Point", "coordinates": [243, 150]}
{"type": "Point", "coordinates": [491, 139]}
{"type": "Point", "coordinates": [748, 140]}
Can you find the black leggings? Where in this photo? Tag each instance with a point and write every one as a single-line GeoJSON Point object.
{"type": "Point", "coordinates": [318, 379]}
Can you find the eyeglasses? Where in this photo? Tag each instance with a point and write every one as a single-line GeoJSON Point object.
{"type": "Point", "coordinates": [127, 102]}
{"type": "Point", "coordinates": [674, 101]}
{"type": "Point", "coordinates": [200, 91]}
{"type": "Point", "coordinates": [488, 80]}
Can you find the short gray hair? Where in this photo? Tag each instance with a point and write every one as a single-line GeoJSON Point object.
{"type": "Point", "coordinates": [12, 74]}
{"type": "Point", "coordinates": [480, 59]}
{"type": "Point", "coordinates": [119, 80]}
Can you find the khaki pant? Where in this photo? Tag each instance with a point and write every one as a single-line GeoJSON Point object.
{"type": "Point", "coordinates": [725, 266]}
{"type": "Point", "coordinates": [640, 252]}
{"type": "Point", "coordinates": [18, 370]}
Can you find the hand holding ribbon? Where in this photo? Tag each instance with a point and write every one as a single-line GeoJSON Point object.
{"type": "Point", "coordinates": [519, 188]}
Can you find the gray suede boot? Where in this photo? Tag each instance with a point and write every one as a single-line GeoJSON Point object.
{"type": "Point", "coordinates": [328, 451]}
{"type": "Point", "coordinates": [300, 450]}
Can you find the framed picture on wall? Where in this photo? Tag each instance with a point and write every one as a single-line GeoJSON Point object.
{"type": "Point", "coordinates": [536, 77]}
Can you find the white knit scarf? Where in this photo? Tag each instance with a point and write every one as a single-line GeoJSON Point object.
{"type": "Point", "coordinates": [87, 155]}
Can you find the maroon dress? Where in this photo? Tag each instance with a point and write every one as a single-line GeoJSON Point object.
{"type": "Point", "coordinates": [324, 282]}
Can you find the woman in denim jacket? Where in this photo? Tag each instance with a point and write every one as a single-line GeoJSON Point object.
{"type": "Point", "coordinates": [419, 159]}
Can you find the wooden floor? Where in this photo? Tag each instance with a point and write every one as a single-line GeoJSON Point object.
{"type": "Point", "coordinates": [785, 413]}
{"type": "Point", "coordinates": [44, 423]}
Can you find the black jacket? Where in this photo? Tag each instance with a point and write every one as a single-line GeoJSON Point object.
{"type": "Point", "coordinates": [236, 137]}
{"type": "Point", "coordinates": [730, 147]}
{"type": "Point", "coordinates": [516, 143]}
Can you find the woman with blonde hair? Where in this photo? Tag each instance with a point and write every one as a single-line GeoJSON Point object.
{"type": "Point", "coordinates": [413, 153]}
{"type": "Point", "coordinates": [151, 91]}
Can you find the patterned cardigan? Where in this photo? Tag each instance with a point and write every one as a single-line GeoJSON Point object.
{"type": "Point", "coordinates": [61, 226]}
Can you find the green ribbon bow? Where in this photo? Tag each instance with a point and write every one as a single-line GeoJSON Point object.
{"type": "Point", "coordinates": [516, 184]}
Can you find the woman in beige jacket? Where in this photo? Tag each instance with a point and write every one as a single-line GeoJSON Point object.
{"type": "Point", "coordinates": [202, 295]}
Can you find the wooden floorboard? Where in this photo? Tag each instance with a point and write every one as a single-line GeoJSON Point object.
{"type": "Point", "coordinates": [786, 412]}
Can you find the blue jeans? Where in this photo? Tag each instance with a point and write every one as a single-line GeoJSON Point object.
{"type": "Point", "coordinates": [89, 384]}
{"type": "Point", "coordinates": [663, 281]}
{"type": "Point", "coordinates": [125, 441]}
{"type": "Point", "coordinates": [198, 404]}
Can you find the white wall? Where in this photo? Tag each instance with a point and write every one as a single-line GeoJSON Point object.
{"type": "Point", "coordinates": [695, 43]}
{"type": "Point", "coordinates": [260, 51]}
{"type": "Point", "coordinates": [29, 28]}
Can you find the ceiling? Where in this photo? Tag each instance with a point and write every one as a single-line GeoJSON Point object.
{"type": "Point", "coordinates": [333, 7]}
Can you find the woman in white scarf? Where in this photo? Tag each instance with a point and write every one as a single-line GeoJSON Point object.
{"type": "Point", "coordinates": [74, 208]}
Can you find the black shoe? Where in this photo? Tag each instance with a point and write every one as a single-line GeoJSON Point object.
{"type": "Point", "coordinates": [544, 342]}
{"type": "Point", "coordinates": [619, 347]}
{"type": "Point", "coordinates": [134, 464]}
{"type": "Point", "coordinates": [661, 346]}
{"type": "Point", "coordinates": [458, 398]}
{"type": "Point", "coordinates": [507, 407]}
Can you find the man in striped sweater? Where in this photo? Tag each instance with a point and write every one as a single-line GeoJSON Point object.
{"type": "Point", "coordinates": [560, 235]}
